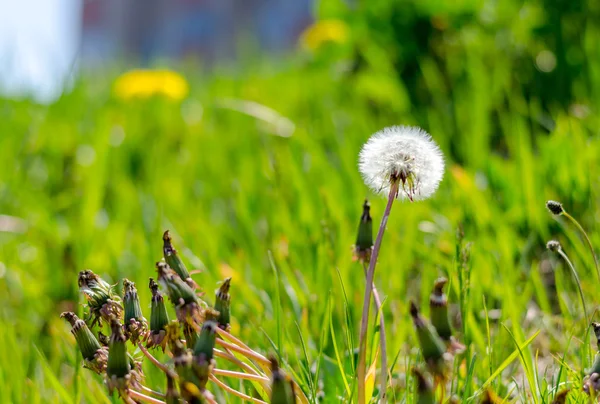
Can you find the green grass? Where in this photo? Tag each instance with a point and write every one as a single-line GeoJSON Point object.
{"type": "Point", "coordinates": [97, 181]}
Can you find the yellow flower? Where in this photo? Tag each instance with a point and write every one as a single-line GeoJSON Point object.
{"type": "Point", "coordinates": [324, 31]}
{"type": "Point", "coordinates": [145, 83]}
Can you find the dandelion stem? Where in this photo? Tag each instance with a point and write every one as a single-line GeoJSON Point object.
{"type": "Point", "coordinates": [577, 281]}
{"type": "Point", "coordinates": [156, 362]}
{"type": "Point", "coordinates": [382, 341]}
{"type": "Point", "coordinates": [250, 354]}
{"type": "Point", "coordinates": [238, 375]}
{"type": "Point", "coordinates": [587, 240]}
{"type": "Point", "coordinates": [235, 392]}
{"type": "Point", "coordinates": [234, 360]}
{"type": "Point", "coordinates": [223, 333]}
{"type": "Point", "coordinates": [368, 289]}
{"type": "Point", "coordinates": [150, 391]}
{"type": "Point", "coordinates": [208, 396]}
{"type": "Point", "coordinates": [142, 397]}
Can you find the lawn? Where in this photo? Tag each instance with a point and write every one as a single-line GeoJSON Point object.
{"type": "Point", "coordinates": [255, 175]}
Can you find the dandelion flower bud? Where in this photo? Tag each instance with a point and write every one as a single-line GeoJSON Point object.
{"type": "Point", "coordinates": [424, 388]}
{"type": "Point", "coordinates": [553, 245]}
{"type": "Point", "coordinates": [93, 354]}
{"type": "Point", "coordinates": [282, 391]}
{"type": "Point", "coordinates": [222, 303]}
{"type": "Point", "coordinates": [119, 367]}
{"type": "Point", "coordinates": [364, 239]}
{"type": "Point", "coordinates": [403, 154]}
{"type": "Point", "coordinates": [158, 318]}
{"type": "Point", "coordinates": [179, 292]}
{"type": "Point", "coordinates": [135, 323]}
{"type": "Point", "coordinates": [172, 258]}
{"type": "Point", "coordinates": [432, 347]}
{"type": "Point", "coordinates": [103, 303]}
{"type": "Point", "coordinates": [438, 305]}
{"type": "Point", "coordinates": [203, 353]}
{"type": "Point", "coordinates": [555, 208]}
{"type": "Point", "coordinates": [596, 327]}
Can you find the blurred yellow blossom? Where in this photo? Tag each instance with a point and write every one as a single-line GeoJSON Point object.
{"type": "Point", "coordinates": [324, 31]}
{"type": "Point", "coordinates": [145, 83]}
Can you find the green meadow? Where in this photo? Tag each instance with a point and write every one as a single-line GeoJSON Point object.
{"type": "Point", "coordinates": [255, 175]}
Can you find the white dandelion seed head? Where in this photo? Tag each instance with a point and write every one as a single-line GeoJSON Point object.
{"type": "Point", "coordinates": [404, 153]}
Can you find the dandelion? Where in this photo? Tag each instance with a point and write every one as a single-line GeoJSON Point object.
{"type": "Point", "coordinates": [158, 318]}
{"type": "Point", "coordinates": [203, 361]}
{"type": "Point", "coordinates": [103, 302]}
{"type": "Point", "coordinates": [425, 394]}
{"type": "Point", "coordinates": [146, 83]}
{"type": "Point", "coordinates": [432, 346]}
{"type": "Point", "coordinates": [398, 158]}
{"type": "Point", "coordinates": [94, 355]}
{"type": "Point", "coordinates": [172, 258]}
{"type": "Point", "coordinates": [406, 154]}
{"type": "Point", "coordinates": [118, 368]}
{"type": "Point", "coordinates": [282, 391]}
{"type": "Point", "coordinates": [324, 32]}
{"type": "Point", "coordinates": [135, 323]}
{"type": "Point", "coordinates": [222, 303]}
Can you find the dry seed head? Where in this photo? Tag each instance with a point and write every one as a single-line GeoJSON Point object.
{"type": "Point", "coordinates": [553, 245]}
{"type": "Point", "coordinates": [404, 154]}
{"type": "Point", "coordinates": [555, 208]}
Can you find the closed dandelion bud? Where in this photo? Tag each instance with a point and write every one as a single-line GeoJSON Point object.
{"type": "Point", "coordinates": [281, 388]}
{"type": "Point", "coordinates": [364, 239]}
{"type": "Point", "coordinates": [555, 208]}
{"type": "Point", "coordinates": [103, 303]}
{"type": "Point", "coordinates": [432, 347]}
{"type": "Point", "coordinates": [438, 304]}
{"type": "Point", "coordinates": [425, 393]}
{"type": "Point", "coordinates": [158, 318]}
{"type": "Point", "coordinates": [203, 353]}
{"type": "Point", "coordinates": [119, 363]}
{"type": "Point", "coordinates": [596, 327]}
{"type": "Point", "coordinates": [206, 341]}
{"type": "Point", "coordinates": [94, 355]}
{"type": "Point", "coordinates": [222, 302]}
{"type": "Point", "coordinates": [187, 307]}
{"type": "Point", "coordinates": [135, 323]}
{"type": "Point", "coordinates": [172, 258]}
{"type": "Point", "coordinates": [179, 292]}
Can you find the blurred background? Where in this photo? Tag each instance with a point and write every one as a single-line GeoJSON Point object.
{"type": "Point", "coordinates": [236, 124]}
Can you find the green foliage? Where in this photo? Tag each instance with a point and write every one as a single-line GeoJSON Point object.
{"type": "Point", "coordinates": [96, 181]}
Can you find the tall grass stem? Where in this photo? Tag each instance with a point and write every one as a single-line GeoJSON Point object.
{"type": "Point", "coordinates": [587, 240]}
